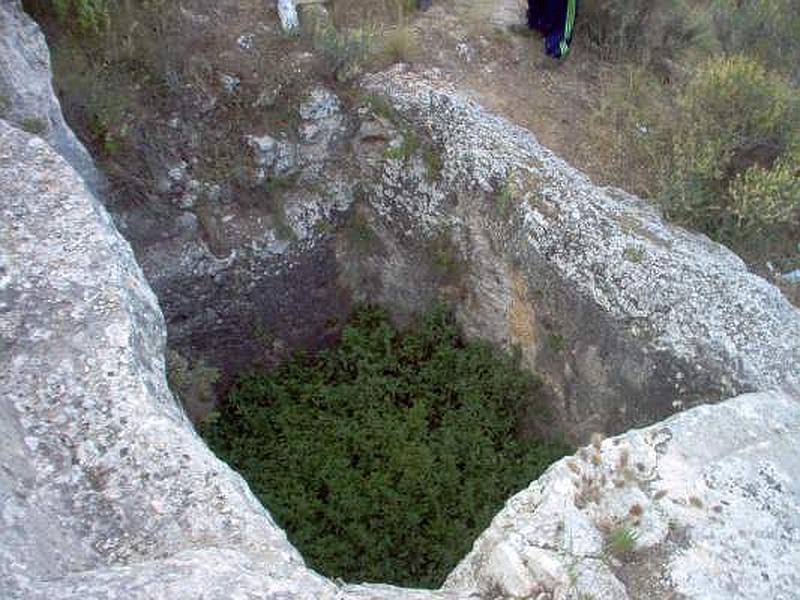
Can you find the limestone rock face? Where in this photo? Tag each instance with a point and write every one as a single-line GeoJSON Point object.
{"type": "Point", "coordinates": [27, 98]}
{"type": "Point", "coordinates": [708, 499]}
{"type": "Point", "coordinates": [105, 488]}
{"type": "Point", "coordinates": [101, 465]}
{"type": "Point", "coordinates": [106, 491]}
{"type": "Point", "coordinates": [627, 317]}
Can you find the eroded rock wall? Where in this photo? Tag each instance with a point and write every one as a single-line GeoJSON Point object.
{"type": "Point", "coordinates": [702, 505]}
{"type": "Point", "coordinates": [105, 488]}
{"type": "Point", "coordinates": [626, 317]}
{"type": "Point", "coordinates": [26, 90]}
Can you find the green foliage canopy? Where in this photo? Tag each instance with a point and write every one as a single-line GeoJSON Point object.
{"type": "Point", "coordinates": [385, 457]}
{"type": "Point", "coordinates": [84, 15]}
{"type": "Point", "coordinates": [735, 120]}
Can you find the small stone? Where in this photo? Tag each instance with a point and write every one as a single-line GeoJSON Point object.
{"type": "Point", "coordinates": [464, 52]}
{"type": "Point", "coordinates": [265, 149]}
{"type": "Point", "coordinates": [229, 82]}
{"type": "Point", "coordinates": [287, 11]}
{"type": "Point", "coordinates": [791, 276]}
{"type": "Point", "coordinates": [177, 173]}
{"type": "Point", "coordinates": [320, 104]}
{"type": "Point", "coordinates": [245, 41]}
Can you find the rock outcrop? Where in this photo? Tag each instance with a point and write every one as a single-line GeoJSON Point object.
{"type": "Point", "coordinates": [628, 318]}
{"type": "Point", "coordinates": [106, 490]}
{"type": "Point", "coordinates": [702, 505]}
{"type": "Point", "coordinates": [27, 98]}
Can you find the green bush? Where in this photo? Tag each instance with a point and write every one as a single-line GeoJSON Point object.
{"type": "Point", "coordinates": [766, 29]}
{"type": "Point", "coordinates": [733, 116]}
{"type": "Point", "coordinates": [85, 15]}
{"type": "Point", "coordinates": [343, 54]}
{"type": "Point", "coordinates": [385, 457]}
{"type": "Point", "coordinates": [763, 198]}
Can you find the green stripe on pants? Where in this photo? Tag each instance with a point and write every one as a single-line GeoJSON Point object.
{"type": "Point", "coordinates": [570, 22]}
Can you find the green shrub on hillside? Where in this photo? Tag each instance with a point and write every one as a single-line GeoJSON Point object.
{"type": "Point", "coordinates": [84, 15]}
{"type": "Point", "coordinates": [343, 53]}
{"type": "Point", "coordinates": [763, 198]}
{"type": "Point", "coordinates": [733, 115]}
{"type": "Point", "coordinates": [385, 457]}
{"type": "Point", "coordinates": [766, 29]}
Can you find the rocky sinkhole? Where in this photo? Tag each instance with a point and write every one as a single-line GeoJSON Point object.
{"type": "Point", "coordinates": [259, 239]}
{"type": "Point", "coordinates": [264, 203]}
{"type": "Point", "coordinates": [385, 457]}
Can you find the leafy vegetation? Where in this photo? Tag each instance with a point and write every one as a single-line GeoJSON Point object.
{"type": "Point", "coordinates": [408, 146]}
{"type": "Point", "coordinates": [84, 16]}
{"type": "Point", "coordinates": [506, 196]}
{"type": "Point", "coordinates": [400, 44]}
{"type": "Point", "coordinates": [34, 125]}
{"type": "Point", "coordinates": [343, 53]}
{"type": "Point", "coordinates": [650, 33]}
{"type": "Point", "coordinates": [706, 110]}
{"type": "Point", "coordinates": [384, 457]}
{"type": "Point", "coordinates": [735, 120]}
{"type": "Point", "coordinates": [621, 541]}
{"type": "Point", "coordinates": [765, 29]}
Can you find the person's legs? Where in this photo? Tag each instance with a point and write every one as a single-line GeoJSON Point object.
{"type": "Point", "coordinates": [557, 44]}
{"type": "Point", "coordinates": [555, 20]}
{"type": "Point", "coordinates": [534, 14]}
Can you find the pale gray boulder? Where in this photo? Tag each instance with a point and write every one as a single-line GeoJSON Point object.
{"type": "Point", "coordinates": [710, 499]}
{"type": "Point", "coordinates": [105, 488]}
{"type": "Point", "coordinates": [27, 98]}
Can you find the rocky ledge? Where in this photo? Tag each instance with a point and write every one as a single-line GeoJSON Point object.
{"type": "Point", "coordinates": [627, 317]}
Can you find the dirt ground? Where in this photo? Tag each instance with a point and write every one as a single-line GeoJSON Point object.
{"type": "Point", "coordinates": [165, 60]}
{"type": "Point", "coordinates": [469, 41]}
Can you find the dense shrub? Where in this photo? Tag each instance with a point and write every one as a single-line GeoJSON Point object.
{"type": "Point", "coordinates": [385, 457]}
{"type": "Point", "coordinates": [766, 29]}
{"type": "Point", "coordinates": [83, 15]}
{"type": "Point", "coordinates": [763, 198]}
{"type": "Point", "coordinates": [733, 116]}
{"type": "Point", "coordinates": [343, 53]}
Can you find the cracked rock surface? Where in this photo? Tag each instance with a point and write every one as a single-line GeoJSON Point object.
{"type": "Point", "coordinates": [105, 488]}
{"type": "Point", "coordinates": [626, 316]}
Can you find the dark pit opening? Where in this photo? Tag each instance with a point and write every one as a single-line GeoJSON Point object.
{"type": "Point", "coordinates": [384, 457]}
